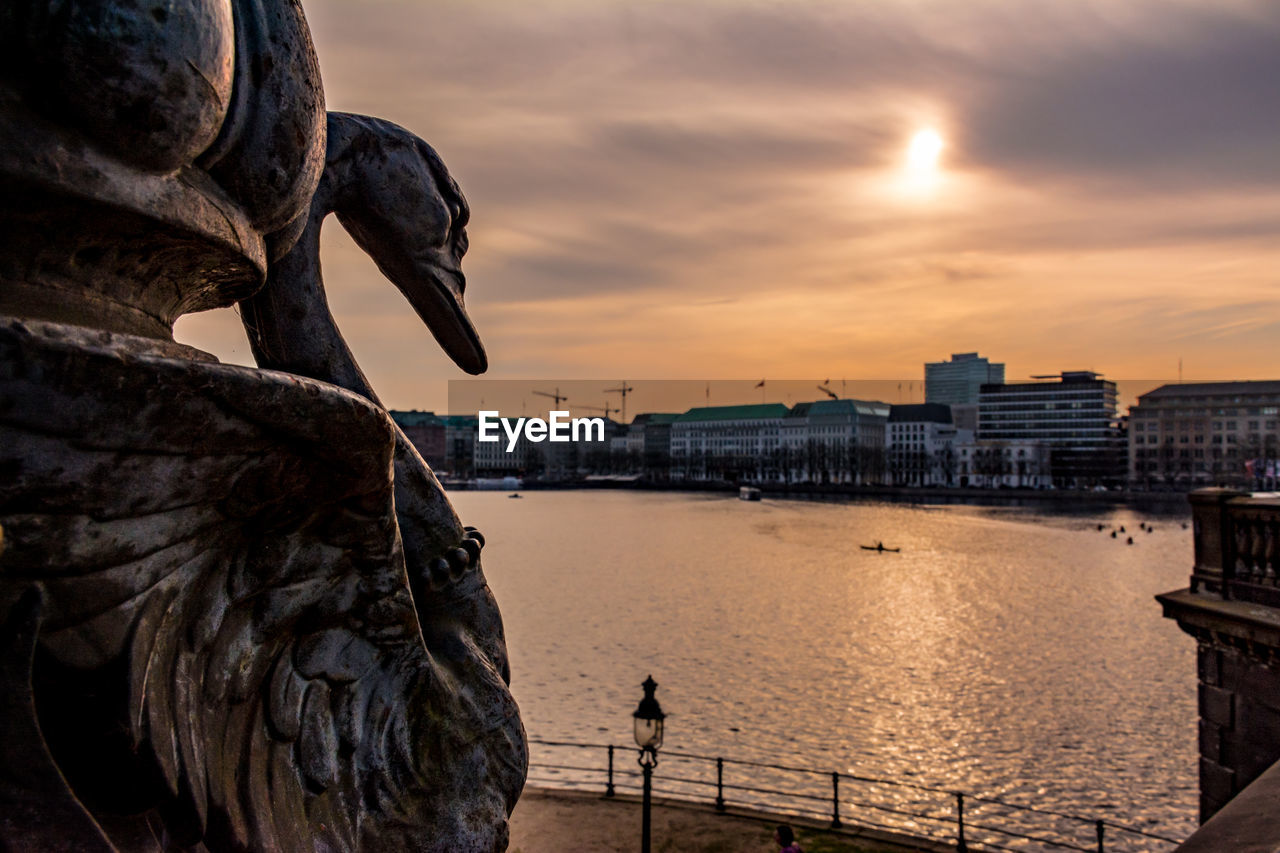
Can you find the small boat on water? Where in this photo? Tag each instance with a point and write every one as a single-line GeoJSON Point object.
{"type": "Point", "coordinates": [879, 546]}
{"type": "Point", "coordinates": [515, 495]}
{"type": "Point", "coordinates": [748, 493]}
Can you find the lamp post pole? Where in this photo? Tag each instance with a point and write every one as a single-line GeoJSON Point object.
{"type": "Point", "coordinates": [647, 766]}
{"type": "Point", "coordinates": [648, 730]}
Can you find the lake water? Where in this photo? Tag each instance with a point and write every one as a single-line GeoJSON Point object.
{"type": "Point", "coordinates": [1007, 652]}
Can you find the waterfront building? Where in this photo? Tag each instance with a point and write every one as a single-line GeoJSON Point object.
{"type": "Point", "coordinates": [491, 458]}
{"type": "Point", "coordinates": [833, 441]}
{"type": "Point", "coordinates": [920, 445]}
{"type": "Point", "coordinates": [611, 456]}
{"type": "Point", "coordinates": [1206, 433]}
{"type": "Point", "coordinates": [552, 460]}
{"type": "Point", "coordinates": [1075, 417]}
{"type": "Point", "coordinates": [656, 430]}
{"type": "Point", "coordinates": [626, 447]}
{"type": "Point", "coordinates": [426, 432]}
{"type": "Point", "coordinates": [726, 442]}
{"type": "Point", "coordinates": [994, 463]}
{"type": "Point", "coordinates": [459, 445]}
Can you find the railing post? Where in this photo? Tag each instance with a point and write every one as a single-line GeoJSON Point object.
{"type": "Point", "coordinates": [961, 847]}
{"type": "Point", "coordinates": [835, 801]}
{"type": "Point", "coordinates": [1099, 825]}
{"type": "Point", "coordinates": [1214, 538]}
{"type": "Point", "coordinates": [719, 784]}
{"type": "Point", "coordinates": [608, 790]}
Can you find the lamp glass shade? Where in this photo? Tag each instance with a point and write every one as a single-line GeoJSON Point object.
{"type": "Point", "coordinates": [648, 733]}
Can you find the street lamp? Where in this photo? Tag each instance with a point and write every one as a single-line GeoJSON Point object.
{"type": "Point", "coordinates": [648, 722]}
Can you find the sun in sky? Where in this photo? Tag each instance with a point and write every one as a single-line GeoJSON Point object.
{"type": "Point", "coordinates": [919, 175]}
{"type": "Point", "coordinates": [924, 151]}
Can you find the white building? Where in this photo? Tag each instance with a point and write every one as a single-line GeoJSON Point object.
{"type": "Point", "coordinates": [1000, 463]}
{"type": "Point", "coordinates": [921, 445]}
{"type": "Point", "coordinates": [726, 442]}
{"type": "Point", "coordinates": [834, 441]}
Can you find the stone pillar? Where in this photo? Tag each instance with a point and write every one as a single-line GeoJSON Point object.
{"type": "Point", "coordinates": [1229, 610]}
{"type": "Point", "coordinates": [1239, 698]}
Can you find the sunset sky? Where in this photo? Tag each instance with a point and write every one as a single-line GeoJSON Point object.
{"type": "Point", "coordinates": [716, 189]}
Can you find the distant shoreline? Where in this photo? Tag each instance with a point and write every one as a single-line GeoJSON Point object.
{"type": "Point", "coordinates": [1167, 501]}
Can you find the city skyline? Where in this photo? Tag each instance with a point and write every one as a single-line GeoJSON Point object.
{"type": "Point", "coordinates": [590, 396]}
{"type": "Point", "coordinates": [822, 189]}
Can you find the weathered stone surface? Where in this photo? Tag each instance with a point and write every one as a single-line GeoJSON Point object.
{"type": "Point", "coordinates": [146, 82]}
{"type": "Point", "coordinates": [270, 151]}
{"type": "Point", "coordinates": [1210, 741]}
{"type": "Point", "coordinates": [1248, 824]}
{"type": "Point", "coordinates": [1217, 705]}
{"type": "Point", "coordinates": [187, 627]}
{"type": "Point", "coordinates": [222, 616]}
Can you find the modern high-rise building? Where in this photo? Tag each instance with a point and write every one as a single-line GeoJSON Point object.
{"type": "Point", "coordinates": [1075, 417]}
{"type": "Point", "coordinates": [958, 382]}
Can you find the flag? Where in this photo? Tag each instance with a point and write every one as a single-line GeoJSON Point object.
{"type": "Point", "coordinates": [760, 384]}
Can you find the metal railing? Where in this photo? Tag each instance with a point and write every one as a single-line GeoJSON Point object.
{"type": "Point", "coordinates": [968, 821]}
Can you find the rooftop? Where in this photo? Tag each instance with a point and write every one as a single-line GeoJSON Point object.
{"type": "Point", "coordinates": [655, 418]}
{"type": "Point", "coordinates": [759, 411]}
{"type": "Point", "coordinates": [416, 418]}
{"type": "Point", "coordinates": [1213, 389]}
{"type": "Point", "coordinates": [933, 413]}
{"type": "Point", "coordinates": [839, 407]}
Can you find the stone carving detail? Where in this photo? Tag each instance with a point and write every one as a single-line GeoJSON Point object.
{"type": "Point", "coordinates": [236, 609]}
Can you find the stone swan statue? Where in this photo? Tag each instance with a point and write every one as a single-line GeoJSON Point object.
{"type": "Point", "coordinates": [236, 609]}
{"type": "Point", "coordinates": [391, 191]}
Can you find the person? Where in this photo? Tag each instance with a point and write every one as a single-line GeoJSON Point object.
{"type": "Point", "coordinates": [786, 839]}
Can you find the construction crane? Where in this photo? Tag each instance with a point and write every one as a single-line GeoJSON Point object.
{"type": "Point", "coordinates": [624, 391]}
{"type": "Point", "coordinates": [558, 397]}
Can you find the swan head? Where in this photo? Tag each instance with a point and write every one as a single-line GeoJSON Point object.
{"type": "Point", "coordinates": [393, 194]}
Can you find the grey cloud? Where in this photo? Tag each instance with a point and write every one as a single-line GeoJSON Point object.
{"type": "Point", "coordinates": [664, 138]}
{"type": "Point", "coordinates": [1174, 95]}
{"type": "Point", "coordinates": [1148, 114]}
{"type": "Point", "coordinates": [740, 147]}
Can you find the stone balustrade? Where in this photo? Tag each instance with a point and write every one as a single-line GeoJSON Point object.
{"type": "Point", "coordinates": [1232, 609]}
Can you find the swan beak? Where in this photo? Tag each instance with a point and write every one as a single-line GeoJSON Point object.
{"type": "Point", "coordinates": [438, 300]}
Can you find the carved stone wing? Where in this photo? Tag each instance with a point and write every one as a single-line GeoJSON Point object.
{"type": "Point", "coordinates": [283, 688]}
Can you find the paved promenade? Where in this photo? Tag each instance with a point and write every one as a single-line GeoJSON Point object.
{"type": "Point", "coordinates": [556, 821]}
